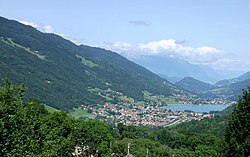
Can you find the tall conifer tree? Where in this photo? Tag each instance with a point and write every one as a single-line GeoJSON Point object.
{"type": "Point", "coordinates": [238, 130]}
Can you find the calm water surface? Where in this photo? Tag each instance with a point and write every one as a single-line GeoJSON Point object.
{"type": "Point", "coordinates": [196, 108]}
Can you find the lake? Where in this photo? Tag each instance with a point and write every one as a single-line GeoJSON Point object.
{"type": "Point", "coordinates": [196, 108]}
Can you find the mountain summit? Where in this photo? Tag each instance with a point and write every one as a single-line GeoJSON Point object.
{"type": "Point", "coordinates": [173, 67]}
{"type": "Point", "coordinates": [193, 85]}
{"type": "Point", "coordinates": [65, 75]}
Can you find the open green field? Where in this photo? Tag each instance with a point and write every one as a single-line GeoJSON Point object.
{"type": "Point", "coordinates": [78, 113]}
{"type": "Point", "coordinates": [126, 99]}
{"type": "Point", "coordinates": [87, 62]}
{"type": "Point", "coordinates": [155, 98]}
{"type": "Point", "coordinates": [10, 42]}
{"type": "Point", "coordinates": [50, 109]}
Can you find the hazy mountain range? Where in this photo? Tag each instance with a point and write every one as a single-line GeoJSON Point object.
{"type": "Point", "coordinates": [226, 89]}
{"type": "Point", "coordinates": [175, 69]}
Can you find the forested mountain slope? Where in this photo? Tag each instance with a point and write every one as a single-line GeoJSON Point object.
{"type": "Point", "coordinates": [63, 74]}
{"type": "Point", "coordinates": [225, 89]}
{"type": "Point", "coordinates": [193, 85]}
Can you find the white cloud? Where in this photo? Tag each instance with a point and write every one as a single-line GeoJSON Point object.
{"type": "Point", "coordinates": [205, 55]}
{"type": "Point", "coordinates": [49, 29]}
{"type": "Point", "coordinates": [122, 46]}
{"type": "Point", "coordinates": [40, 27]}
{"type": "Point", "coordinates": [233, 64]}
{"type": "Point", "coordinates": [170, 47]}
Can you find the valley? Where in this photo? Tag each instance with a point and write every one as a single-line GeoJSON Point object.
{"type": "Point", "coordinates": [69, 77]}
{"type": "Point", "coordinates": [59, 98]}
{"type": "Point", "coordinates": [150, 112]}
{"type": "Point", "coordinates": [130, 114]}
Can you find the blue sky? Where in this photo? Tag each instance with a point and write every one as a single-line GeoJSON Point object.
{"type": "Point", "coordinates": [215, 33]}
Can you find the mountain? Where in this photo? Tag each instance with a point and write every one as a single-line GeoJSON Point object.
{"type": "Point", "coordinates": [230, 91]}
{"type": "Point", "coordinates": [193, 85]}
{"type": "Point", "coordinates": [175, 67]}
{"type": "Point", "coordinates": [234, 80]}
{"type": "Point", "coordinates": [227, 89]}
{"type": "Point", "coordinates": [170, 79]}
{"type": "Point", "coordinates": [231, 88]}
{"type": "Point", "coordinates": [245, 76]}
{"type": "Point", "coordinates": [65, 75]}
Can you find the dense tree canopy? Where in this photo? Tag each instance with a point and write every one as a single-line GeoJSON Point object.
{"type": "Point", "coordinates": [28, 129]}
{"type": "Point", "coordinates": [238, 131]}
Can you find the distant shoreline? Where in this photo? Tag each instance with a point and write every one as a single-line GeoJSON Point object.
{"type": "Point", "coordinates": [198, 105]}
{"type": "Point", "coordinates": [196, 108]}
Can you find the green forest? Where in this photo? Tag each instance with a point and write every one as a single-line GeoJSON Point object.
{"type": "Point", "coordinates": [28, 129]}
{"type": "Point", "coordinates": [59, 72]}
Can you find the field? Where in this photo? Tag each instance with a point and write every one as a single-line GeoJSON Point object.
{"type": "Point", "coordinates": [80, 113]}
{"type": "Point", "coordinates": [50, 109]}
{"type": "Point", "coordinates": [159, 99]}
{"type": "Point", "coordinates": [76, 112]}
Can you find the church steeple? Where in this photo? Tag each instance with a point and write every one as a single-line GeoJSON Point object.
{"type": "Point", "coordinates": [128, 148]}
{"type": "Point", "coordinates": [129, 155]}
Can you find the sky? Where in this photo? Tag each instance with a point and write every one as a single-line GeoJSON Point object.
{"type": "Point", "coordinates": [212, 32]}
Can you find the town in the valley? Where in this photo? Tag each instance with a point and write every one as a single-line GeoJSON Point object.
{"type": "Point", "coordinates": [150, 113]}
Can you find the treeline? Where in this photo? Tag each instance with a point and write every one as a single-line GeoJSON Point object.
{"type": "Point", "coordinates": [27, 129]}
{"type": "Point", "coordinates": [215, 126]}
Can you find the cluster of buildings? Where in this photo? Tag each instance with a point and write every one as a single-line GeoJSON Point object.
{"type": "Point", "coordinates": [195, 100]}
{"type": "Point", "coordinates": [142, 115]}
{"type": "Point", "coordinates": [149, 113]}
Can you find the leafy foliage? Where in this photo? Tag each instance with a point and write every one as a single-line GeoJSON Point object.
{"type": "Point", "coordinates": [49, 66]}
{"type": "Point", "coordinates": [175, 142]}
{"type": "Point", "coordinates": [215, 126]}
{"type": "Point", "coordinates": [238, 131]}
{"type": "Point", "coordinates": [28, 129]}
{"type": "Point", "coordinates": [140, 147]}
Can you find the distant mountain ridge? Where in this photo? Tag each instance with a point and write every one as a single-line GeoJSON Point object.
{"type": "Point", "coordinates": [178, 68]}
{"type": "Point", "coordinates": [170, 79]}
{"type": "Point", "coordinates": [234, 80]}
{"type": "Point", "coordinates": [193, 85]}
{"type": "Point", "coordinates": [65, 75]}
{"type": "Point", "coordinates": [173, 67]}
{"type": "Point", "coordinates": [229, 89]}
